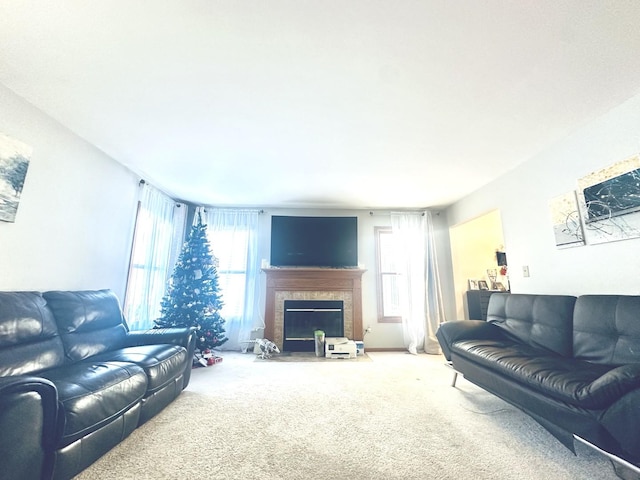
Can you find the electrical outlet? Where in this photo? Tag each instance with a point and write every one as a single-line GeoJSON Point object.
{"type": "Point", "coordinates": [525, 271]}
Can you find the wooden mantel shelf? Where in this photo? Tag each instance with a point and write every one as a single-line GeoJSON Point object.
{"type": "Point", "coordinates": [310, 279]}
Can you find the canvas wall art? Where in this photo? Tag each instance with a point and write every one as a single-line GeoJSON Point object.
{"type": "Point", "coordinates": [565, 217]}
{"type": "Point", "coordinates": [14, 162]}
{"type": "Point", "coordinates": [609, 201]}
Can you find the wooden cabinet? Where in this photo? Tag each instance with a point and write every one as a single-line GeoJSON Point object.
{"type": "Point", "coordinates": [477, 303]}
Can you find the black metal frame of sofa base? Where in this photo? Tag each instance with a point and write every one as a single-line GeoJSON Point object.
{"type": "Point", "coordinates": [614, 458]}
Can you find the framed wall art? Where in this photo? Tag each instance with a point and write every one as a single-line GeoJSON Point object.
{"type": "Point", "coordinates": [567, 225]}
{"type": "Point", "coordinates": [609, 202]}
{"type": "Point", "coordinates": [14, 162]}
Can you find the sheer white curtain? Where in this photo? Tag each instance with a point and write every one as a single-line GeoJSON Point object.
{"type": "Point", "coordinates": [159, 230]}
{"type": "Point", "coordinates": [420, 297]}
{"type": "Point", "coordinates": [434, 305]}
{"type": "Point", "coordinates": [408, 232]}
{"type": "Point", "coordinates": [233, 237]}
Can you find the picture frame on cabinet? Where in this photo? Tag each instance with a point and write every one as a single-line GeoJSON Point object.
{"type": "Point", "coordinates": [482, 285]}
{"type": "Point", "coordinates": [473, 284]}
{"type": "Point", "coordinates": [498, 286]}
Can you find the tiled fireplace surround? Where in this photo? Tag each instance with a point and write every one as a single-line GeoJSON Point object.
{"type": "Point", "coordinates": [313, 284]}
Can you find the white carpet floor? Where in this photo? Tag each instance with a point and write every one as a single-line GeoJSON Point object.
{"type": "Point", "coordinates": [394, 416]}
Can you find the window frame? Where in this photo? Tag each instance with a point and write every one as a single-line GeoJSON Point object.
{"type": "Point", "coordinates": [378, 231]}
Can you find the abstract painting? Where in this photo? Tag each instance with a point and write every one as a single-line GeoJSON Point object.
{"type": "Point", "coordinates": [609, 201]}
{"type": "Point", "coordinates": [14, 162]}
{"type": "Point", "coordinates": [567, 226]}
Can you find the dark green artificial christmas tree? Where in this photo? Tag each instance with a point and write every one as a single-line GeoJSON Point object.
{"type": "Point", "coordinates": [193, 298]}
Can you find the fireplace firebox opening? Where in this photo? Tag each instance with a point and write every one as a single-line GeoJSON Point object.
{"type": "Point", "coordinates": [303, 317]}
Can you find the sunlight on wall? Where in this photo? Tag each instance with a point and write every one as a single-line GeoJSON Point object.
{"type": "Point", "coordinates": [473, 250]}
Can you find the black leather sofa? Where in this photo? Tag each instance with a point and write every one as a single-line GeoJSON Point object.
{"type": "Point", "coordinates": [572, 364]}
{"type": "Point", "coordinates": [74, 381]}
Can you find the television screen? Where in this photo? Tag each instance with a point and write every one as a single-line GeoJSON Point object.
{"type": "Point", "coordinates": [314, 241]}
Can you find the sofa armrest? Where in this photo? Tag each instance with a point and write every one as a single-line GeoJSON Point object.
{"type": "Point", "coordinates": [450, 332]}
{"type": "Point", "coordinates": [28, 422]}
{"type": "Point", "coordinates": [622, 421]}
{"type": "Point", "coordinates": [182, 336]}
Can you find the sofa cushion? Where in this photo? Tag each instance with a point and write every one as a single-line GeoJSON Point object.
{"type": "Point", "coordinates": [537, 320]}
{"type": "Point", "coordinates": [579, 383]}
{"type": "Point", "coordinates": [92, 394]}
{"type": "Point", "coordinates": [607, 329]}
{"type": "Point", "coordinates": [90, 322]}
{"type": "Point", "coordinates": [29, 339]}
{"type": "Point", "coordinates": [161, 363]}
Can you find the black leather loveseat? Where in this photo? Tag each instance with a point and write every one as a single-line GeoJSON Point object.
{"type": "Point", "coordinates": [74, 381]}
{"type": "Point", "coordinates": [572, 364]}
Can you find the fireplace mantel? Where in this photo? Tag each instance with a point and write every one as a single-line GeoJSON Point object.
{"type": "Point", "coordinates": [302, 283]}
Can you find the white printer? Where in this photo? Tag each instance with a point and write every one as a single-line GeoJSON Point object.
{"type": "Point", "coordinates": [339, 347]}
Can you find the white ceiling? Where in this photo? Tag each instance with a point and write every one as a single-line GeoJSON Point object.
{"type": "Point", "coordinates": [326, 103]}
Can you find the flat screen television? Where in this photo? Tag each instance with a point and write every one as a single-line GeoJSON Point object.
{"type": "Point", "coordinates": [314, 241]}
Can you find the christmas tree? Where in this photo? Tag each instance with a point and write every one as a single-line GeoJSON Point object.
{"type": "Point", "coordinates": [193, 298]}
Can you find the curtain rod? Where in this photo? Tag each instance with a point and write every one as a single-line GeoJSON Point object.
{"type": "Point", "coordinates": [387, 213]}
{"type": "Point", "coordinates": [231, 209]}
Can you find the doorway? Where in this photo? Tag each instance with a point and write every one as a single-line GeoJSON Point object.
{"type": "Point", "coordinates": [473, 250]}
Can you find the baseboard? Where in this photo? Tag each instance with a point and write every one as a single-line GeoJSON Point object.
{"type": "Point", "coordinates": [375, 349]}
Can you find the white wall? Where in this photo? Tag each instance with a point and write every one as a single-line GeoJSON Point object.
{"type": "Point", "coordinates": [383, 335]}
{"type": "Point", "coordinates": [75, 220]}
{"type": "Point", "coordinates": [523, 195]}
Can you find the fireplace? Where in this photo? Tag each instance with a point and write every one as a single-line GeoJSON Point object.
{"type": "Point", "coordinates": [303, 317]}
{"type": "Point", "coordinates": [313, 284]}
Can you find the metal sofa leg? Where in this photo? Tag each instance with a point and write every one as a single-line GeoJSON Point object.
{"type": "Point", "coordinates": [455, 373]}
{"type": "Point", "coordinates": [622, 468]}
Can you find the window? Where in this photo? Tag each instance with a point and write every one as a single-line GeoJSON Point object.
{"type": "Point", "coordinates": [148, 271]}
{"type": "Point", "coordinates": [230, 249]}
{"type": "Point", "coordinates": [233, 235]}
{"type": "Point", "coordinates": [388, 278]}
{"type": "Point", "coordinates": [158, 232]}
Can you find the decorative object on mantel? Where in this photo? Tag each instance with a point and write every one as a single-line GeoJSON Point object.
{"type": "Point", "coordinates": [14, 162]}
